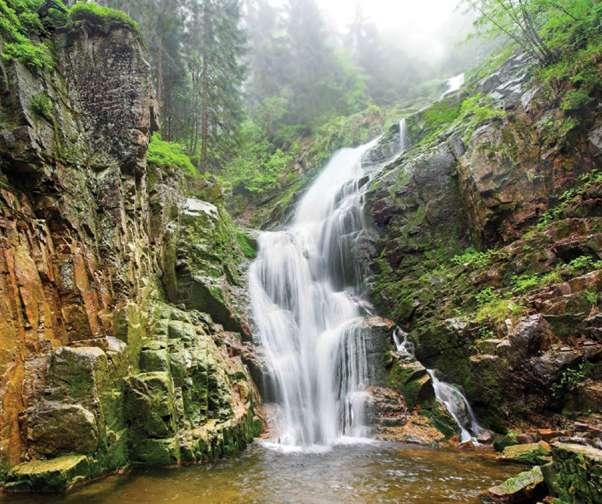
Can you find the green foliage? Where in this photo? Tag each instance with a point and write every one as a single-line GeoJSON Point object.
{"type": "Point", "coordinates": [258, 166]}
{"type": "Point", "coordinates": [527, 282]}
{"type": "Point", "coordinates": [570, 379]}
{"type": "Point", "coordinates": [568, 197]}
{"type": "Point", "coordinates": [166, 154]}
{"type": "Point", "coordinates": [101, 16]}
{"type": "Point", "coordinates": [41, 104]}
{"type": "Point", "coordinates": [583, 264]}
{"type": "Point", "coordinates": [473, 258]}
{"type": "Point", "coordinates": [591, 297]}
{"type": "Point", "coordinates": [18, 22]}
{"type": "Point", "coordinates": [575, 100]}
{"type": "Point", "coordinates": [491, 306]}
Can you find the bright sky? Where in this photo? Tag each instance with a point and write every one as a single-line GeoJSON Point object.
{"type": "Point", "coordinates": [423, 24]}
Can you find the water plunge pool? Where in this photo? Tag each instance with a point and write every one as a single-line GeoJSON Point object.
{"type": "Point", "coordinates": [380, 473]}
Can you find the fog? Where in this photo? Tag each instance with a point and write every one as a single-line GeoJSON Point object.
{"type": "Point", "coordinates": [428, 29]}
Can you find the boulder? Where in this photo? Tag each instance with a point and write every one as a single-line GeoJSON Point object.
{"type": "Point", "coordinates": [55, 428]}
{"type": "Point", "coordinates": [413, 381]}
{"type": "Point", "coordinates": [525, 488]}
{"type": "Point", "coordinates": [575, 474]}
{"type": "Point", "coordinates": [54, 475]}
{"type": "Point", "coordinates": [529, 453]}
{"type": "Point", "coordinates": [149, 404]}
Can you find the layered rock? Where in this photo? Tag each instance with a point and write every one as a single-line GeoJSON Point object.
{"type": "Point", "coordinates": [98, 369]}
{"type": "Point", "coordinates": [516, 327]}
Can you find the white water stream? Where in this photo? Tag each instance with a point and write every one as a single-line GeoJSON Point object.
{"type": "Point", "coordinates": [307, 310]}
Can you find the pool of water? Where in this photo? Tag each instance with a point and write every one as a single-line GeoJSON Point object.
{"type": "Point", "coordinates": [362, 474]}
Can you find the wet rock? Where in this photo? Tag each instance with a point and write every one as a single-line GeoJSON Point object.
{"type": "Point", "coordinates": [411, 379]}
{"type": "Point", "coordinates": [54, 475]}
{"type": "Point", "coordinates": [386, 408]}
{"type": "Point", "coordinates": [525, 488]}
{"type": "Point", "coordinates": [377, 335]}
{"type": "Point", "coordinates": [530, 453]}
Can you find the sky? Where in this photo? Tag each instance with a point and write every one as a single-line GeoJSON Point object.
{"type": "Point", "coordinates": [419, 25]}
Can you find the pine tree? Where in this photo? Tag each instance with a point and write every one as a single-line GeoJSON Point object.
{"type": "Point", "coordinates": [214, 50]}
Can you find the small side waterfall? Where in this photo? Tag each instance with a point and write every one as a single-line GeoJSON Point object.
{"type": "Point", "coordinates": [458, 407]}
{"type": "Point", "coordinates": [447, 394]}
{"type": "Point", "coordinates": [453, 84]}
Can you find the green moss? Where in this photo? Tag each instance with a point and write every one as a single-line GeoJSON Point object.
{"type": "Point", "coordinates": [18, 22]}
{"type": "Point", "coordinates": [247, 245]}
{"type": "Point", "coordinates": [524, 480]}
{"type": "Point", "coordinates": [475, 111]}
{"type": "Point", "coordinates": [101, 16]}
{"type": "Point", "coordinates": [530, 453]}
{"type": "Point", "coordinates": [41, 104]}
{"type": "Point", "coordinates": [54, 475]}
{"type": "Point", "coordinates": [169, 154]}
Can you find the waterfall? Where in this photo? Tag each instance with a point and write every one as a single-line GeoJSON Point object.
{"type": "Point", "coordinates": [305, 289]}
{"type": "Point", "coordinates": [306, 298]}
{"type": "Point", "coordinates": [447, 394]}
{"type": "Point", "coordinates": [458, 407]}
{"type": "Point", "coordinates": [453, 84]}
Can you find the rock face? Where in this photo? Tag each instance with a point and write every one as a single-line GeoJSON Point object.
{"type": "Point", "coordinates": [98, 367]}
{"type": "Point", "coordinates": [515, 325]}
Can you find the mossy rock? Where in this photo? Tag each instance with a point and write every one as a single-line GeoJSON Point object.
{"type": "Point", "coordinates": [575, 474]}
{"type": "Point", "coordinates": [523, 488]}
{"type": "Point", "coordinates": [162, 452]}
{"type": "Point", "coordinates": [509, 439]}
{"type": "Point", "coordinates": [529, 453]}
{"type": "Point", "coordinates": [149, 405]}
{"type": "Point", "coordinates": [413, 381]}
{"type": "Point", "coordinates": [54, 475]}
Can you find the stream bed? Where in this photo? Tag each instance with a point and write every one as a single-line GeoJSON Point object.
{"type": "Point", "coordinates": [380, 473]}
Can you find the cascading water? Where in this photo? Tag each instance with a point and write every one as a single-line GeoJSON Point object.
{"type": "Point", "coordinates": [453, 84]}
{"type": "Point", "coordinates": [305, 291]}
{"type": "Point", "coordinates": [305, 288]}
{"type": "Point", "coordinates": [458, 407]}
{"type": "Point", "coordinates": [447, 394]}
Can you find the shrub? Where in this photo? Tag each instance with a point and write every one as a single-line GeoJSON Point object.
{"type": "Point", "coordinates": [493, 307]}
{"type": "Point", "coordinates": [41, 104]}
{"type": "Point", "coordinates": [166, 154]}
{"type": "Point", "coordinates": [527, 282]}
{"type": "Point", "coordinates": [474, 258]}
{"type": "Point", "coordinates": [35, 56]}
{"type": "Point", "coordinates": [575, 100]}
{"type": "Point", "coordinates": [101, 16]}
{"type": "Point", "coordinates": [570, 379]}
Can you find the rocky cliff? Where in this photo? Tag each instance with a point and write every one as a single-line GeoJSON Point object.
{"type": "Point", "coordinates": [487, 248]}
{"type": "Point", "coordinates": [119, 327]}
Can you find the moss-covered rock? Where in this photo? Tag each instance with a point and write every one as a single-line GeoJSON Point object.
{"type": "Point", "coordinates": [575, 475]}
{"type": "Point", "coordinates": [54, 475]}
{"type": "Point", "coordinates": [525, 488]}
{"type": "Point", "coordinates": [529, 453]}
